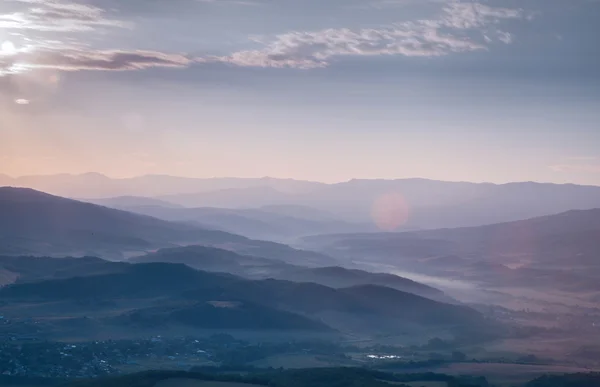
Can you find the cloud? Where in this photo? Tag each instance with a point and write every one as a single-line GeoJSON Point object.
{"type": "Point", "coordinates": [472, 15]}
{"type": "Point", "coordinates": [22, 101]}
{"type": "Point", "coordinates": [53, 15]}
{"type": "Point", "coordinates": [461, 27]}
{"type": "Point", "coordinates": [458, 27]}
{"type": "Point", "coordinates": [68, 17]}
{"type": "Point", "coordinates": [83, 59]}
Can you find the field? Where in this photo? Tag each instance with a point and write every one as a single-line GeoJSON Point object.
{"type": "Point", "coordinates": [295, 361]}
{"type": "Point", "coordinates": [420, 384]}
{"type": "Point", "coordinates": [507, 374]}
{"type": "Point", "coordinates": [427, 384]}
{"type": "Point", "coordinates": [178, 382]}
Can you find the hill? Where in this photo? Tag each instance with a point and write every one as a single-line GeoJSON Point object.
{"type": "Point", "coordinates": [176, 294]}
{"type": "Point", "coordinates": [32, 269]}
{"type": "Point", "coordinates": [220, 315]}
{"type": "Point", "coordinates": [34, 222]}
{"type": "Point", "coordinates": [569, 380]}
{"type": "Point", "coordinates": [252, 223]}
{"type": "Point", "coordinates": [572, 237]}
{"type": "Point", "coordinates": [339, 277]}
{"type": "Point", "coordinates": [299, 211]}
{"type": "Point", "coordinates": [218, 260]}
{"type": "Point", "coordinates": [247, 197]}
{"type": "Point", "coordinates": [308, 377]}
{"type": "Point", "coordinates": [127, 202]}
{"type": "Point", "coordinates": [557, 252]}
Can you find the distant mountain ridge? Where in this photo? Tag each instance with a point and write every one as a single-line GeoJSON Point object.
{"type": "Point", "coordinates": [96, 185]}
{"type": "Point", "coordinates": [430, 204]}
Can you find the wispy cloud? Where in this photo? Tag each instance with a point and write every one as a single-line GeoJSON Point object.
{"type": "Point", "coordinates": [66, 17]}
{"type": "Point", "coordinates": [53, 15]}
{"type": "Point", "coordinates": [458, 27]}
{"type": "Point", "coordinates": [461, 27]}
{"type": "Point", "coordinates": [85, 59]}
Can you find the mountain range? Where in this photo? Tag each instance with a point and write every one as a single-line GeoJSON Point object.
{"type": "Point", "coordinates": [96, 185]}
{"type": "Point", "coordinates": [419, 203]}
{"type": "Point", "coordinates": [36, 223]}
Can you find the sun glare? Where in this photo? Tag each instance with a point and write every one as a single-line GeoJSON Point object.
{"type": "Point", "coordinates": [8, 48]}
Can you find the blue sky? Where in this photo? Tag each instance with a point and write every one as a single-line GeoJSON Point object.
{"type": "Point", "coordinates": [499, 90]}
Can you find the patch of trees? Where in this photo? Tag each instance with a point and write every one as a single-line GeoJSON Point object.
{"type": "Point", "coordinates": [320, 377]}
{"type": "Point", "coordinates": [6, 380]}
{"type": "Point", "coordinates": [571, 380]}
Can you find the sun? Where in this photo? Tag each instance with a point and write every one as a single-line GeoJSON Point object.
{"type": "Point", "coordinates": [8, 48]}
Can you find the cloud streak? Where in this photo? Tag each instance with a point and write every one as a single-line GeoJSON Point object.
{"type": "Point", "coordinates": [458, 27]}
{"type": "Point", "coordinates": [68, 17]}
{"type": "Point", "coordinates": [461, 27]}
{"type": "Point", "coordinates": [52, 15]}
{"type": "Point", "coordinates": [82, 59]}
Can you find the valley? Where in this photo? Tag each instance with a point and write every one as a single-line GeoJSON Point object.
{"type": "Point", "coordinates": [509, 302]}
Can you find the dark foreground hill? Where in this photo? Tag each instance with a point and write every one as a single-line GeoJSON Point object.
{"type": "Point", "coordinates": [308, 377]}
{"type": "Point", "coordinates": [340, 277]}
{"type": "Point", "coordinates": [32, 269]}
{"type": "Point", "coordinates": [570, 380]}
{"type": "Point", "coordinates": [218, 260]}
{"type": "Point", "coordinates": [173, 294]}
{"type": "Point", "coordinates": [211, 259]}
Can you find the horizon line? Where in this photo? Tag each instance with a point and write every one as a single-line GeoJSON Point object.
{"type": "Point", "coordinates": [103, 175]}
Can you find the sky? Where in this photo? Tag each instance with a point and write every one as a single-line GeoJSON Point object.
{"type": "Point", "coordinates": [325, 90]}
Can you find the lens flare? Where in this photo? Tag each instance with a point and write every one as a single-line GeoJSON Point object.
{"type": "Point", "coordinates": [390, 211]}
